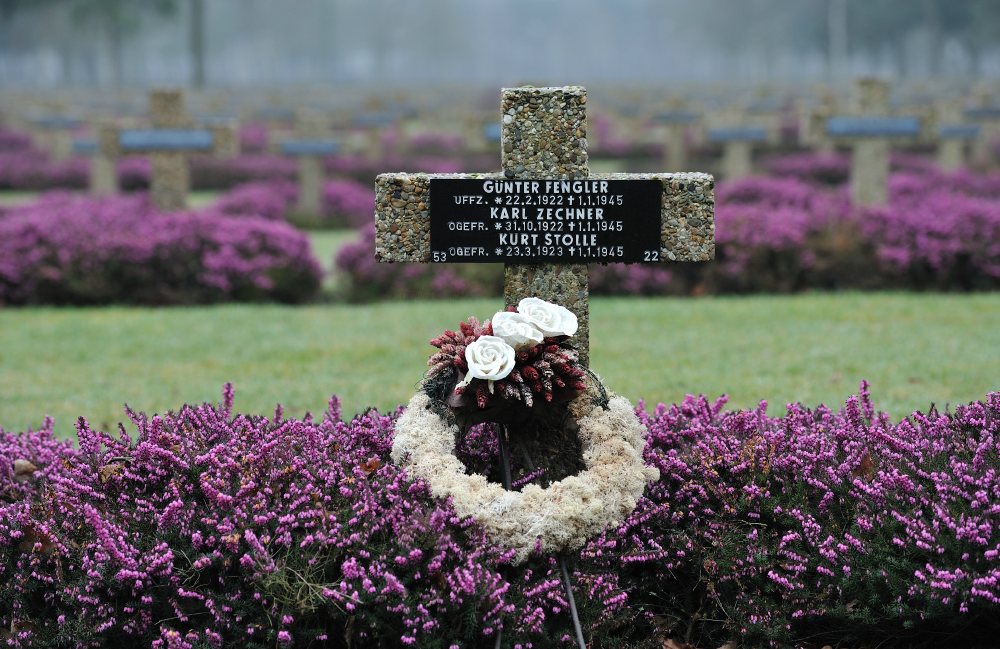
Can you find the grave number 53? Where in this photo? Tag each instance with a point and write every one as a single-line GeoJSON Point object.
{"type": "Point", "coordinates": [440, 256]}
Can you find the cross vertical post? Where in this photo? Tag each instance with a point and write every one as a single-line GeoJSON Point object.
{"type": "Point", "coordinates": [543, 134]}
{"type": "Point", "coordinates": [311, 145]}
{"type": "Point", "coordinates": [952, 136]}
{"type": "Point", "coordinates": [104, 163]}
{"type": "Point", "coordinates": [170, 180]}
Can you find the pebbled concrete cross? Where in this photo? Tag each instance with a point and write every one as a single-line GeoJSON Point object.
{"type": "Point", "coordinates": [544, 137]}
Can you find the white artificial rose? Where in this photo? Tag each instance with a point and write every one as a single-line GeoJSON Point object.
{"type": "Point", "coordinates": [551, 319]}
{"type": "Point", "coordinates": [515, 329]}
{"type": "Point", "coordinates": [489, 358]}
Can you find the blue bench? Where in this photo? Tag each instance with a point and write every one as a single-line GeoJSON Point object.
{"type": "Point", "coordinates": [309, 147]}
{"type": "Point", "coordinates": [166, 139]}
{"type": "Point", "coordinates": [873, 126]}
{"type": "Point", "coordinates": [958, 131]}
{"type": "Point", "coordinates": [738, 134]}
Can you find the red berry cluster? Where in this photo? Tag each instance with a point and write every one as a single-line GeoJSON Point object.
{"type": "Point", "coordinates": [549, 371]}
{"type": "Point", "coordinates": [453, 343]}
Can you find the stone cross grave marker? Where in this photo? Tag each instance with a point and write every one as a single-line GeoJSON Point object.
{"type": "Point", "coordinates": [953, 136]}
{"type": "Point", "coordinates": [987, 116]}
{"type": "Point", "coordinates": [55, 134]}
{"type": "Point", "coordinates": [869, 133]}
{"type": "Point", "coordinates": [545, 216]}
{"type": "Point", "coordinates": [812, 116]}
{"type": "Point", "coordinates": [676, 122]}
{"type": "Point", "coordinates": [737, 148]}
{"type": "Point", "coordinates": [371, 127]}
{"type": "Point", "coordinates": [169, 142]}
{"type": "Point", "coordinates": [311, 145]}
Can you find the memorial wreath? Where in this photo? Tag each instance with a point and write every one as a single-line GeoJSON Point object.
{"type": "Point", "coordinates": [517, 370]}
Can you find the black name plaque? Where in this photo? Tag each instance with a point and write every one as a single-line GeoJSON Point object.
{"type": "Point", "coordinates": [545, 221]}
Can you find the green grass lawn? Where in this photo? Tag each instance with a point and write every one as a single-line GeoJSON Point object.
{"type": "Point", "coordinates": [915, 349]}
{"type": "Point", "coordinates": [202, 198]}
{"type": "Point", "coordinates": [16, 198]}
{"type": "Point", "coordinates": [195, 199]}
{"type": "Point", "coordinates": [325, 244]}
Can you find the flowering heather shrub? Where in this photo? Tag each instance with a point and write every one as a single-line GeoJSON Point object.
{"type": "Point", "coordinates": [772, 234]}
{"type": "Point", "coordinates": [254, 137]}
{"type": "Point", "coordinates": [939, 232]}
{"type": "Point", "coordinates": [365, 279]}
{"type": "Point", "coordinates": [817, 526]}
{"type": "Point", "coordinates": [14, 141]}
{"type": "Point", "coordinates": [434, 142]}
{"type": "Point", "coordinates": [67, 249]}
{"type": "Point", "coordinates": [605, 140]}
{"type": "Point", "coordinates": [266, 199]}
{"type": "Point", "coordinates": [214, 529]}
{"type": "Point", "coordinates": [210, 528]}
{"type": "Point", "coordinates": [821, 168]}
{"type": "Point", "coordinates": [780, 235]}
{"type": "Point", "coordinates": [936, 239]}
{"type": "Point", "coordinates": [208, 172]}
{"type": "Point", "coordinates": [364, 169]}
{"type": "Point", "coordinates": [134, 173]}
{"type": "Point", "coordinates": [348, 203]}
{"type": "Point", "coordinates": [631, 279]}
{"type": "Point", "coordinates": [345, 202]}
{"type": "Point", "coordinates": [912, 163]}
{"type": "Point", "coordinates": [30, 170]}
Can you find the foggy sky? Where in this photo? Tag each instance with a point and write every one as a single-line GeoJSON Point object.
{"type": "Point", "coordinates": [471, 42]}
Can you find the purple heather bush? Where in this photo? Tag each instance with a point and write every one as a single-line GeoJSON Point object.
{"type": "Point", "coordinates": [31, 170]}
{"type": "Point", "coordinates": [346, 203]}
{"type": "Point", "coordinates": [364, 169]}
{"type": "Point", "coordinates": [267, 199]}
{"type": "Point", "coordinates": [14, 141]}
{"type": "Point", "coordinates": [435, 142]}
{"type": "Point", "coordinates": [939, 231]}
{"type": "Point", "coordinates": [822, 168]}
{"type": "Point", "coordinates": [936, 239]}
{"type": "Point", "coordinates": [366, 279]}
{"type": "Point", "coordinates": [818, 526]}
{"type": "Point", "coordinates": [134, 173]}
{"type": "Point", "coordinates": [65, 249]}
{"type": "Point", "coordinates": [207, 528]}
{"type": "Point", "coordinates": [254, 137]}
{"type": "Point", "coordinates": [210, 173]}
{"type": "Point", "coordinates": [212, 529]}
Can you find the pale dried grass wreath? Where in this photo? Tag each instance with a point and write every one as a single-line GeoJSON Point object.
{"type": "Point", "coordinates": [557, 518]}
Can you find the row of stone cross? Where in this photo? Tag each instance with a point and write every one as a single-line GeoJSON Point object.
{"type": "Point", "coordinates": [171, 136]}
{"type": "Point", "coordinates": [868, 128]}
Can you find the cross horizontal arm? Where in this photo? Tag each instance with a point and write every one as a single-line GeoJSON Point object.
{"type": "Point", "coordinates": [402, 214]}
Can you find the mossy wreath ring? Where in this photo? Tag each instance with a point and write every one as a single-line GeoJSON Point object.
{"type": "Point", "coordinates": [557, 518]}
